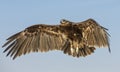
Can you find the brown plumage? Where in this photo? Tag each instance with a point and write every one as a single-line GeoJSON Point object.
{"type": "Point", "coordinates": [73, 38]}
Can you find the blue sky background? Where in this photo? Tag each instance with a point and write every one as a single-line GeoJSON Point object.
{"type": "Point", "coordinates": [15, 15]}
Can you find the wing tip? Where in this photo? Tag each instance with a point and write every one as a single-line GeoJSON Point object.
{"type": "Point", "coordinates": [109, 49]}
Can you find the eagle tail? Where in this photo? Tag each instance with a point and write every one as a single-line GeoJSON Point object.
{"type": "Point", "coordinates": [77, 52]}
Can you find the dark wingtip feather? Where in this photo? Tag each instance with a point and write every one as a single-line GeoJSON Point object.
{"type": "Point", "coordinates": [14, 58]}
{"type": "Point", "coordinates": [10, 39]}
{"type": "Point", "coordinates": [109, 49]}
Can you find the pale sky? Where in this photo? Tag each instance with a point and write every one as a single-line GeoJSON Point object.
{"type": "Point", "coordinates": [16, 15]}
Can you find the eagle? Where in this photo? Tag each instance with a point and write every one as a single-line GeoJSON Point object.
{"type": "Point", "coordinates": [77, 39]}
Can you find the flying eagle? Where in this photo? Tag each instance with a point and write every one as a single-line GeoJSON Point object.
{"type": "Point", "coordinates": [73, 38]}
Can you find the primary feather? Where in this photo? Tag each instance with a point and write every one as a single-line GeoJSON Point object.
{"type": "Point", "coordinates": [73, 38]}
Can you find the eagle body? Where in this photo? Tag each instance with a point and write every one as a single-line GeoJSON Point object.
{"type": "Point", "coordinates": [73, 38]}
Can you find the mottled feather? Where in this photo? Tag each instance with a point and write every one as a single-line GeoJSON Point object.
{"type": "Point", "coordinates": [73, 38]}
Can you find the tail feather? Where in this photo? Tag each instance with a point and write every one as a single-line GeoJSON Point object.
{"type": "Point", "coordinates": [79, 52]}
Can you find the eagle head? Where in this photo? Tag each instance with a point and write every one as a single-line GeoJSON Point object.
{"type": "Point", "coordinates": [65, 22]}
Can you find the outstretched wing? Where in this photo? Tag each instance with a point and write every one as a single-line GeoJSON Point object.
{"type": "Point", "coordinates": [35, 38]}
{"type": "Point", "coordinates": [94, 34]}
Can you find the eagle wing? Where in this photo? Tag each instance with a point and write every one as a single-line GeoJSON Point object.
{"type": "Point", "coordinates": [33, 39]}
{"type": "Point", "coordinates": [94, 34]}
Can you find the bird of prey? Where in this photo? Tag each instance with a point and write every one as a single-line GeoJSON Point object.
{"type": "Point", "coordinates": [73, 38]}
